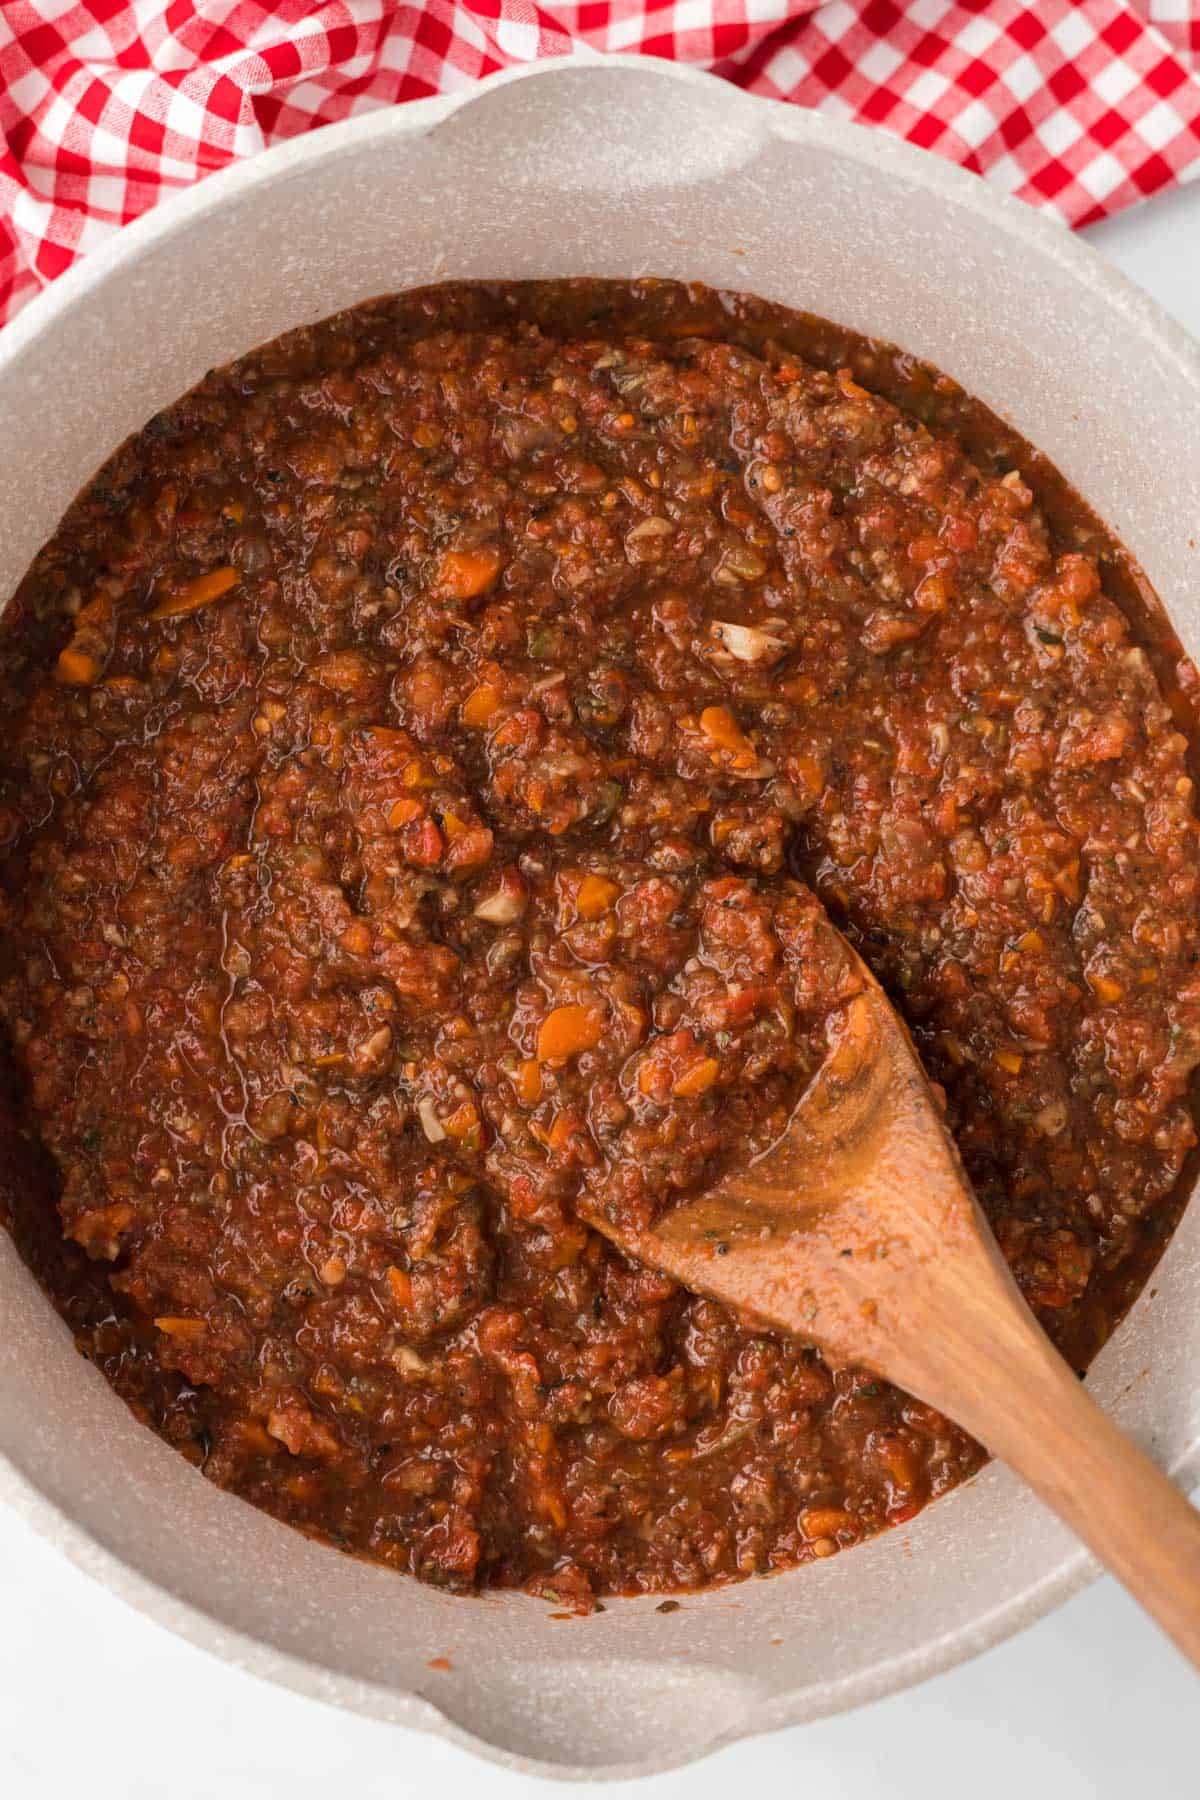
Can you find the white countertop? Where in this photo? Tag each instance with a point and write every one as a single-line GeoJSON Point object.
{"type": "Point", "coordinates": [1090, 1704]}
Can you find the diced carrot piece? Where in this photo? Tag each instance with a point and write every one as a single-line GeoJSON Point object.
{"type": "Point", "coordinates": [404, 812]}
{"type": "Point", "coordinates": [529, 1082]}
{"type": "Point", "coordinates": [480, 706]}
{"type": "Point", "coordinates": [561, 1131]}
{"type": "Point", "coordinates": [465, 574]}
{"type": "Point", "coordinates": [401, 1286]}
{"type": "Point", "coordinates": [719, 724]}
{"type": "Point", "coordinates": [650, 1078]}
{"type": "Point", "coordinates": [1067, 881]}
{"type": "Point", "coordinates": [553, 1509]}
{"type": "Point", "coordinates": [898, 1460]}
{"type": "Point", "coordinates": [517, 732]}
{"type": "Point", "coordinates": [698, 1079]}
{"type": "Point", "coordinates": [568, 1030]}
{"type": "Point", "coordinates": [470, 848]}
{"type": "Point", "coordinates": [1105, 988]}
{"type": "Point", "coordinates": [933, 594]}
{"type": "Point", "coordinates": [201, 592]}
{"type": "Point", "coordinates": [823, 1521]}
{"type": "Point", "coordinates": [181, 1328]}
{"type": "Point", "coordinates": [1010, 1061]}
{"type": "Point", "coordinates": [595, 897]}
{"type": "Point", "coordinates": [77, 668]}
{"type": "Point", "coordinates": [462, 1121]}
{"type": "Point", "coordinates": [453, 826]}
{"type": "Point", "coordinates": [356, 939]}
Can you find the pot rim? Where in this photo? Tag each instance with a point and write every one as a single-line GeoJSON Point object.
{"type": "Point", "coordinates": [1020, 224]}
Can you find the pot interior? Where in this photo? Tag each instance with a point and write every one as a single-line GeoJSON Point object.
{"type": "Point", "coordinates": [613, 170]}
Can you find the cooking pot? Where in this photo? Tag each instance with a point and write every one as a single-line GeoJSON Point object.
{"type": "Point", "coordinates": [613, 167]}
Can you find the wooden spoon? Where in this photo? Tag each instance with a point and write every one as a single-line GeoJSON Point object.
{"type": "Point", "coordinates": [858, 1232]}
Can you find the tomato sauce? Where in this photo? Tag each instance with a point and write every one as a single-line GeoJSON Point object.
{"type": "Point", "coordinates": [424, 744]}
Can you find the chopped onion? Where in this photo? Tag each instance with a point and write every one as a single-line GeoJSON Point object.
{"type": "Point", "coordinates": [500, 908]}
{"type": "Point", "coordinates": [741, 562]}
{"type": "Point", "coordinates": [747, 642]}
{"type": "Point", "coordinates": [430, 1123]}
{"type": "Point", "coordinates": [649, 528]}
{"type": "Point", "coordinates": [1052, 1118]}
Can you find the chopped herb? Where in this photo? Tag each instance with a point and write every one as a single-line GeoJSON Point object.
{"type": "Point", "coordinates": [543, 642]}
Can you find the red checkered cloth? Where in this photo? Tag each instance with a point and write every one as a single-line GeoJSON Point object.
{"type": "Point", "coordinates": [105, 107]}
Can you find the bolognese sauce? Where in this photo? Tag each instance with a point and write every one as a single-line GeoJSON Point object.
{"type": "Point", "coordinates": [433, 748]}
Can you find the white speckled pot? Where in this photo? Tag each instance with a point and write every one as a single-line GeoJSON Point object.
{"type": "Point", "coordinates": [604, 168]}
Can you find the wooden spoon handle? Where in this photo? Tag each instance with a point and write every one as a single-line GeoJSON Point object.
{"type": "Point", "coordinates": [1123, 1507]}
{"type": "Point", "coordinates": [1013, 1391]}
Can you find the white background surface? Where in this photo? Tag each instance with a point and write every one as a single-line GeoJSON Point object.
{"type": "Point", "coordinates": [1090, 1704]}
